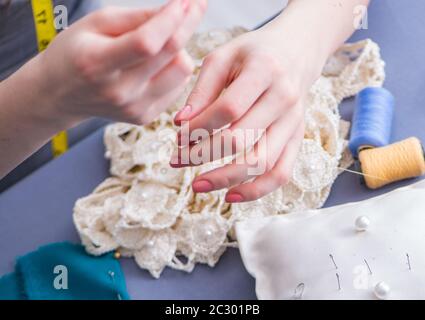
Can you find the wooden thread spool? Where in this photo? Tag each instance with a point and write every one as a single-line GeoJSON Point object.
{"type": "Point", "coordinates": [399, 161]}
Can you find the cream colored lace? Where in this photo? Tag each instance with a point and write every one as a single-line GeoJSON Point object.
{"type": "Point", "coordinates": [148, 211]}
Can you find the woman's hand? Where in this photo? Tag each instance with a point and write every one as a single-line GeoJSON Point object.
{"type": "Point", "coordinates": [120, 63]}
{"type": "Point", "coordinates": [263, 88]}
{"type": "Point", "coordinates": [254, 88]}
{"type": "Point", "coordinates": [123, 64]}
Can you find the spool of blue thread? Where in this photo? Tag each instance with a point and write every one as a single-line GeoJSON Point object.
{"type": "Point", "coordinates": [372, 120]}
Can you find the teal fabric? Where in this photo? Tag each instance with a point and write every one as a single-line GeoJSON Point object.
{"type": "Point", "coordinates": [10, 288]}
{"type": "Point", "coordinates": [64, 271]}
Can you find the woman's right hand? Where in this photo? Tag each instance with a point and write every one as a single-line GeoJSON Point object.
{"type": "Point", "coordinates": [119, 63]}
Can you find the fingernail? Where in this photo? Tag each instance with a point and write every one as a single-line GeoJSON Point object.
{"type": "Point", "coordinates": [183, 114]}
{"type": "Point", "coordinates": [234, 198]}
{"type": "Point", "coordinates": [202, 186]}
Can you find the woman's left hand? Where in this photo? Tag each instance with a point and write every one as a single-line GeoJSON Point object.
{"type": "Point", "coordinates": [253, 83]}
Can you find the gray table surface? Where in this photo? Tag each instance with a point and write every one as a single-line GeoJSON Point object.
{"type": "Point", "coordinates": [38, 210]}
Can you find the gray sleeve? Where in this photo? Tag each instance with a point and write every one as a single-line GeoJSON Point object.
{"type": "Point", "coordinates": [17, 33]}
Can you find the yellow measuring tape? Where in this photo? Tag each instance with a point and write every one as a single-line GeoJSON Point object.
{"type": "Point", "coordinates": [44, 20]}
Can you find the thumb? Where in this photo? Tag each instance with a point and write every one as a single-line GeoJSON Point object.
{"type": "Point", "coordinates": [115, 21]}
{"type": "Point", "coordinates": [211, 82]}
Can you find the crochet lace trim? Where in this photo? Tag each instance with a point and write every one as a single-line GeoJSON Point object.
{"type": "Point", "coordinates": [148, 211]}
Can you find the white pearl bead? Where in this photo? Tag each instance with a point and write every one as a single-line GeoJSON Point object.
{"type": "Point", "coordinates": [151, 243]}
{"type": "Point", "coordinates": [382, 290]}
{"type": "Point", "coordinates": [209, 233]}
{"type": "Point", "coordinates": [362, 223]}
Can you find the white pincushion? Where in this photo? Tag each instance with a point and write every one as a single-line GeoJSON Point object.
{"type": "Point", "coordinates": [283, 252]}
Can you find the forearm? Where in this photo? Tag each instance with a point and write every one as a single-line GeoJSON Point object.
{"type": "Point", "coordinates": [26, 120]}
{"type": "Point", "coordinates": [127, 69]}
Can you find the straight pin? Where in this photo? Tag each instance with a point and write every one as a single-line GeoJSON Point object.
{"type": "Point", "coordinates": [333, 261]}
{"type": "Point", "coordinates": [339, 282]}
{"type": "Point", "coordinates": [299, 291]}
{"type": "Point", "coordinates": [408, 261]}
{"type": "Point", "coordinates": [367, 264]}
{"type": "Point", "coordinates": [112, 275]}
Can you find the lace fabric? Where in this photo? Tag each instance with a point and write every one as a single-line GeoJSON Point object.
{"type": "Point", "coordinates": [148, 211]}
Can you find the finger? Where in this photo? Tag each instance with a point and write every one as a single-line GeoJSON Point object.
{"type": "Point", "coordinates": [170, 77]}
{"type": "Point", "coordinates": [141, 114]}
{"type": "Point", "coordinates": [145, 70]}
{"type": "Point", "coordinates": [272, 180]}
{"type": "Point", "coordinates": [162, 104]}
{"type": "Point", "coordinates": [211, 82]}
{"type": "Point", "coordinates": [256, 162]}
{"type": "Point", "coordinates": [166, 81]}
{"type": "Point", "coordinates": [114, 21]}
{"type": "Point", "coordinates": [271, 106]}
{"type": "Point", "coordinates": [148, 68]}
{"type": "Point", "coordinates": [238, 98]}
{"type": "Point", "coordinates": [242, 135]}
{"type": "Point", "coordinates": [166, 102]}
{"type": "Point", "coordinates": [245, 132]}
{"type": "Point", "coordinates": [144, 42]}
{"type": "Point", "coordinates": [222, 144]}
{"type": "Point", "coordinates": [183, 34]}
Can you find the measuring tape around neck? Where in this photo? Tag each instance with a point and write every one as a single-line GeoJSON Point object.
{"type": "Point", "coordinates": [44, 21]}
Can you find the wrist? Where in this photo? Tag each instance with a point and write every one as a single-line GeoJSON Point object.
{"type": "Point", "coordinates": [26, 119]}
{"type": "Point", "coordinates": [324, 25]}
{"type": "Point", "coordinates": [297, 51]}
{"type": "Point", "coordinates": [46, 102]}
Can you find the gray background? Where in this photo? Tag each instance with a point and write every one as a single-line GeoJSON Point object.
{"type": "Point", "coordinates": [38, 210]}
{"type": "Point", "coordinates": [222, 13]}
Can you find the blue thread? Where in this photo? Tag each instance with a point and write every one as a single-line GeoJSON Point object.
{"type": "Point", "coordinates": [372, 120]}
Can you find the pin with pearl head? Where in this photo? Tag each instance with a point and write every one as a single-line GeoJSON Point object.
{"type": "Point", "coordinates": [112, 275]}
{"type": "Point", "coordinates": [362, 223]}
{"type": "Point", "coordinates": [378, 162]}
{"type": "Point", "coordinates": [382, 290]}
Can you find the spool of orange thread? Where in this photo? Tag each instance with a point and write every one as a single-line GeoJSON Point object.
{"type": "Point", "coordinates": [395, 162]}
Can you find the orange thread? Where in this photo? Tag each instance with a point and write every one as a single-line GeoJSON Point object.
{"type": "Point", "coordinates": [399, 161]}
